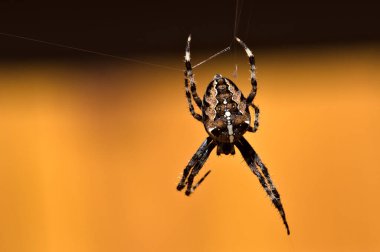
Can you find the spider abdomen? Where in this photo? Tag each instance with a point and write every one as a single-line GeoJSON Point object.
{"type": "Point", "coordinates": [225, 112]}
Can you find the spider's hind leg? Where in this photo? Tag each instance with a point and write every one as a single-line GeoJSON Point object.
{"type": "Point", "coordinates": [191, 92]}
{"type": "Point", "coordinates": [251, 58]}
{"type": "Point", "coordinates": [256, 122]}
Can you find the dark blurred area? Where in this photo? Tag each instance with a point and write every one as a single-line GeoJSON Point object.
{"type": "Point", "coordinates": [130, 28]}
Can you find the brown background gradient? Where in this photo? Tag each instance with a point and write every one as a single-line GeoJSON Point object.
{"type": "Point", "coordinates": [91, 150]}
{"type": "Point", "coordinates": [90, 156]}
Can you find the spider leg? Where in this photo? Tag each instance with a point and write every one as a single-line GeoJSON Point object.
{"type": "Point", "coordinates": [251, 57]}
{"type": "Point", "coordinates": [194, 161]}
{"type": "Point", "coordinates": [188, 96]}
{"type": "Point", "coordinates": [256, 122]}
{"type": "Point", "coordinates": [253, 160]}
{"type": "Point", "coordinates": [190, 76]}
{"type": "Point", "coordinates": [200, 181]}
{"type": "Point", "coordinates": [197, 167]}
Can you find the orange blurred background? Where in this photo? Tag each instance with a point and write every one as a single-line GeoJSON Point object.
{"type": "Point", "coordinates": [91, 154]}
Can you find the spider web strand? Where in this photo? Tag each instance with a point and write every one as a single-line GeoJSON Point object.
{"type": "Point", "coordinates": [89, 51]}
{"type": "Point", "coordinates": [212, 56]}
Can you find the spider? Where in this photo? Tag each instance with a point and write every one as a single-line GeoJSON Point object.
{"type": "Point", "coordinates": [226, 117]}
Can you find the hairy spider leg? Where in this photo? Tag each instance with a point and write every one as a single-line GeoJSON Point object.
{"type": "Point", "coordinates": [201, 180]}
{"type": "Point", "coordinates": [256, 122]}
{"type": "Point", "coordinates": [188, 96]}
{"type": "Point", "coordinates": [197, 167]}
{"type": "Point", "coordinates": [193, 161]}
{"type": "Point", "coordinates": [253, 92]}
{"type": "Point", "coordinates": [189, 75]}
{"type": "Point", "coordinates": [251, 57]}
{"type": "Point", "coordinates": [253, 160]}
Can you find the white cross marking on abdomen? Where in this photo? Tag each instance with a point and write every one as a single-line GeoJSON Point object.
{"type": "Point", "coordinates": [227, 115]}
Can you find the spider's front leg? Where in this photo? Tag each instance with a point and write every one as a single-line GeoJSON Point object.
{"type": "Point", "coordinates": [253, 160]}
{"type": "Point", "coordinates": [190, 76]}
{"type": "Point", "coordinates": [194, 166]}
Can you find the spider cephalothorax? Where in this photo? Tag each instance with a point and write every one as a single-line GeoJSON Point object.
{"type": "Point", "coordinates": [226, 117]}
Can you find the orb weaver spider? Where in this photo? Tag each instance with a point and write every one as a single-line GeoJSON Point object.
{"type": "Point", "coordinates": [226, 117]}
